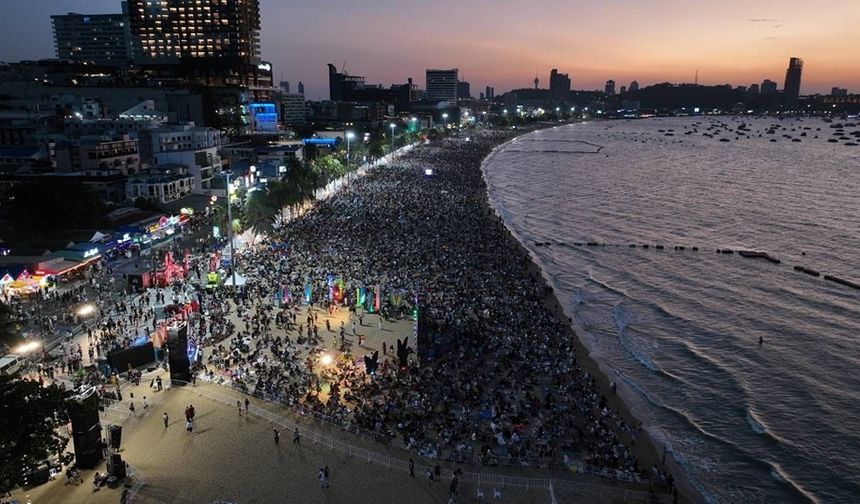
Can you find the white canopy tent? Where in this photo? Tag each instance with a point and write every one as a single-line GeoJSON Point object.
{"type": "Point", "coordinates": [240, 280]}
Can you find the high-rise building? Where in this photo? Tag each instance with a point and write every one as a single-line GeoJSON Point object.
{"type": "Point", "coordinates": [623, 89]}
{"type": "Point", "coordinates": [634, 86]}
{"type": "Point", "coordinates": [464, 90]}
{"type": "Point", "coordinates": [293, 108]}
{"type": "Point", "coordinates": [103, 39]}
{"type": "Point", "coordinates": [301, 88]}
{"type": "Point", "coordinates": [490, 93]}
{"type": "Point", "coordinates": [791, 90]}
{"type": "Point", "coordinates": [441, 85]}
{"type": "Point", "coordinates": [183, 31]}
{"type": "Point", "coordinates": [559, 86]}
{"type": "Point", "coordinates": [609, 89]}
{"type": "Point", "coordinates": [768, 87]}
{"type": "Point", "coordinates": [343, 86]}
{"type": "Point", "coordinates": [285, 87]}
{"type": "Point", "coordinates": [838, 91]}
{"type": "Point", "coordinates": [212, 43]}
{"type": "Point", "coordinates": [754, 89]}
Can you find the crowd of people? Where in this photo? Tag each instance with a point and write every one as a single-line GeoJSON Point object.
{"type": "Point", "coordinates": [498, 378]}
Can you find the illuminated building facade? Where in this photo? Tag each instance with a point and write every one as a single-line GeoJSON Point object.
{"type": "Point", "coordinates": [170, 31]}
{"type": "Point", "coordinates": [213, 45]}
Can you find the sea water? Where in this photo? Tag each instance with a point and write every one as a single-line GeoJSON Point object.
{"type": "Point", "coordinates": [679, 329]}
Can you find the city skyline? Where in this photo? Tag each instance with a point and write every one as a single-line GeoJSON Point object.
{"type": "Point", "coordinates": [738, 44]}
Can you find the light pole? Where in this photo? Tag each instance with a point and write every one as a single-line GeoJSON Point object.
{"type": "Point", "coordinates": [392, 126]}
{"type": "Point", "coordinates": [349, 136]}
{"type": "Point", "coordinates": [445, 118]}
{"type": "Point", "coordinates": [230, 232]}
{"type": "Point", "coordinates": [557, 113]}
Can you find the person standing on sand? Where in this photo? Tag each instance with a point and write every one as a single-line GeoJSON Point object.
{"type": "Point", "coordinates": [322, 478]}
{"type": "Point", "coordinates": [189, 426]}
{"type": "Point", "coordinates": [411, 467]}
{"type": "Point", "coordinates": [239, 407]}
{"type": "Point", "coordinates": [277, 436]}
{"type": "Point", "coordinates": [247, 402]}
{"type": "Point", "coordinates": [327, 476]}
{"type": "Point", "coordinates": [164, 417]}
{"type": "Point", "coordinates": [296, 436]}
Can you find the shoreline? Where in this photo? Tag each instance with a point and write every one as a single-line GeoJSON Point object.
{"type": "Point", "coordinates": [645, 449]}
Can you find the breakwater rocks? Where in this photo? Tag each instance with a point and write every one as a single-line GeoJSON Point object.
{"type": "Point", "coordinates": [747, 254]}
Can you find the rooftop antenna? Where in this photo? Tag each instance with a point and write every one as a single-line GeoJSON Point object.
{"type": "Point", "coordinates": [696, 79]}
{"type": "Point", "coordinates": [537, 80]}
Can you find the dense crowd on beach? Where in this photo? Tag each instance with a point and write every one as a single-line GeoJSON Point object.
{"type": "Point", "coordinates": [502, 382]}
{"type": "Point", "coordinates": [496, 380]}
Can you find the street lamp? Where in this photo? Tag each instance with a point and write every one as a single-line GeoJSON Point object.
{"type": "Point", "coordinates": [233, 261]}
{"type": "Point", "coordinates": [445, 118]}
{"type": "Point", "coordinates": [349, 136]}
{"type": "Point", "coordinates": [414, 123]}
{"type": "Point", "coordinates": [392, 126]}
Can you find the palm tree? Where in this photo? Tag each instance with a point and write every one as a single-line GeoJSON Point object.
{"type": "Point", "coordinates": [259, 212]}
{"type": "Point", "coordinates": [376, 149]}
{"type": "Point", "coordinates": [287, 196]}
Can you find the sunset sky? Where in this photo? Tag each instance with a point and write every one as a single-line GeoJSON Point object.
{"type": "Point", "coordinates": [503, 43]}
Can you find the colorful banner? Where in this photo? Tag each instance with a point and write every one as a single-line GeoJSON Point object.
{"type": "Point", "coordinates": [376, 300]}
{"type": "Point", "coordinates": [369, 301]}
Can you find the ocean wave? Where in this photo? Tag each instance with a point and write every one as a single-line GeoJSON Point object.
{"type": "Point", "coordinates": [754, 424]}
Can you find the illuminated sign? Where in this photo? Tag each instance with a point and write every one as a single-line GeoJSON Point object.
{"type": "Point", "coordinates": [91, 252]}
{"type": "Point", "coordinates": [320, 141]}
{"type": "Point", "coordinates": [267, 67]}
